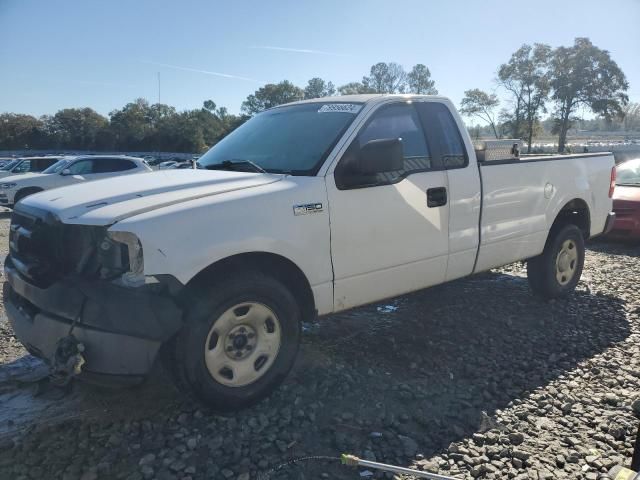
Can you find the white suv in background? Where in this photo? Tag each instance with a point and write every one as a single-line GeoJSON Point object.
{"type": "Point", "coordinates": [27, 165]}
{"type": "Point", "coordinates": [67, 171]}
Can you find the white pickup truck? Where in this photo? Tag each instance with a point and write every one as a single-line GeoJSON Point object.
{"type": "Point", "coordinates": [307, 209]}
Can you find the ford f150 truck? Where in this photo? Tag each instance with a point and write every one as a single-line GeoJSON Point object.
{"type": "Point", "coordinates": [307, 209]}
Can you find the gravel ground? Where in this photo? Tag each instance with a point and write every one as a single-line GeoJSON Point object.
{"type": "Point", "coordinates": [474, 379]}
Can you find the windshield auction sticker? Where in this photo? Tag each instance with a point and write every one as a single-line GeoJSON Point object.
{"type": "Point", "coordinates": [340, 108]}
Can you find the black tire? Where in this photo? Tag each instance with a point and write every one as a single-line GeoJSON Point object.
{"type": "Point", "coordinates": [25, 192]}
{"type": "Point", "coordinates": [543, 271]}
{"type": "Point", "coordinates": [207, 308]}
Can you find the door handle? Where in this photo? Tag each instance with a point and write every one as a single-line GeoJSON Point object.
{"type": "Point", "coordinates": [436, 197]}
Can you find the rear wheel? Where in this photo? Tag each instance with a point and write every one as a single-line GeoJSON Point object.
{"type": "Point", "coordinates": [557, 271]}
{"type": "Point", "coordinates": [239, 341]}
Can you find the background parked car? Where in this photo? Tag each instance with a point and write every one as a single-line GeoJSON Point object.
{"type": "Point", "coordinates": [68, 171]}
{"type": "Point", "coordinates": [4, 161]}
{"type": "Point", "coordinates": [168, 164]}
{"type": "Point", "coordinates": [187, 164]}
{"type": "Point", "coordinates": [27, 165]}
{"type": "Point", "coordinates": [626, 201]}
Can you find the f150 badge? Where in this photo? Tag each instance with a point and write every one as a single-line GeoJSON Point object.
{"type": "Point", "coordinates": [307, 208]}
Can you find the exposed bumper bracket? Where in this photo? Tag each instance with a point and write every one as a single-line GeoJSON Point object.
{"type": "Point", "coordinates": [608, 225]}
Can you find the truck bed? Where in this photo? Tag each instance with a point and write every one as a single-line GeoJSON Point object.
{"type": "Point", "coordinates": [521, 197]}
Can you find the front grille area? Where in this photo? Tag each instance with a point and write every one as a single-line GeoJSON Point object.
{"type": "Point", "coordinates": [44, 250]}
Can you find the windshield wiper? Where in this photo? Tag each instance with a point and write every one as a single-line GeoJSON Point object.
{"type": "Point", "coordinates": [627, 184]}
{"type": "Point", "coordinates": [233, 164]}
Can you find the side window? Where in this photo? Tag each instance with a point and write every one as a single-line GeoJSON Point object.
{"type": "Point", "coordinates": [40, 164]}
{"type": "Point", "coordinates": [47, 162]}
{"type": "Point", "coordinates": [81, 167]}
{"type": "Point", "coordinates": [107, 165]}
{"type": "Point", "coordinates": [24, 166]}
{"type": "Point", "coordinates": [399, 121]}
{"type": "Point", "coordinates": [443, 134]}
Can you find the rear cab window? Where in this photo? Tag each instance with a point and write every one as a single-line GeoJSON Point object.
{"type": "Point", "coordinates": [443, 134]}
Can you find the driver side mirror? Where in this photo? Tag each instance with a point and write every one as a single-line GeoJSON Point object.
{"type": "Point", "coordinates": [360, 165]}
{"type": "Point", "coordinates": [65, 172]}
{"type": "Point", "coordinates": [380, 156]}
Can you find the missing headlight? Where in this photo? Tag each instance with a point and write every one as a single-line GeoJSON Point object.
{"type": "Point", "coordinates": [121, 254]}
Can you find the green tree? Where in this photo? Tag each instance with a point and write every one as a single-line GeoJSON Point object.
{"type": "Point", "coordinates": [353, 88]}
{"type": "Point", "coordinates": [526, 77]}
{"type": "Point", "coordinates": [77, 128]}
{"type": "Point", "coordinates": [631, 120]}
{"type": "Point", "coordinates": [134, 125]}
{"type": "Point", "coordinates": [386, 78]}
{"type": "Point", "coordinates": [477, 103]}
{"type": "Point", "coordinates": [18, 131]}
{"type": "Point", "coordinates": [585, 75]}
{"type": "Point", "coordinates": [220, 112]}
{"type": "Point", "coordinates": [318, 88]}
{"type": "Point", "coordinates": [419, 81]}
{"type": "Point", "coordinates": [271, 95]}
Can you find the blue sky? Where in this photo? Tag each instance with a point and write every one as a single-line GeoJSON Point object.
{"type": "Point", "coordinates": [105, 53]}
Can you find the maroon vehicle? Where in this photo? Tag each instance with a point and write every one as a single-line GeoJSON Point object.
{"type": "Point", "coordinates": [626, 201]}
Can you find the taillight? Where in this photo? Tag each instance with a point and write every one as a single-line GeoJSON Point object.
{"type": "Point", "coordinates": [612, 185]}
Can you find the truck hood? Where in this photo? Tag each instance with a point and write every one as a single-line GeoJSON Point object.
{"type": "Point", "coordinates": [108, 201]}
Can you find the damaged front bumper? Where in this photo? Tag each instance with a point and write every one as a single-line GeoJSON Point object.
{"type": "Point", "coordinates": [122, 329]}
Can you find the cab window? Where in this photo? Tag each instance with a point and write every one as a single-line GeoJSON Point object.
{"type": "Point", "coordinates": [398, 121]}
{"type": "Point", "coordinates": [107, 165]}
{"type": "Point", "coordinates": [81, 167]}
{"type": "Point", "coordinates": [443, 134]}
{"type": "Point", "coordinates": [23, 167]}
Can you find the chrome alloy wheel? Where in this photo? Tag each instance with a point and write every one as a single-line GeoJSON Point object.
{"type": "Point", "coordinates": [242, 344]}
{"type": "Point", "coordinates": [566, 262]}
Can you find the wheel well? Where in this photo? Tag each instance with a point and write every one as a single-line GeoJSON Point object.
{"type": "Point", "coordinates": [575, 212]}
{"type": "Point", "coordinates": [283, 269]}
{"type": "Point", "coordinates": [27, 191]}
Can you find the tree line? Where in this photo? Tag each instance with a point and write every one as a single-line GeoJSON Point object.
{"type": "Point", "coordinates": [537, 79]}
{"type": "Point", "coordinates": [138, 126]}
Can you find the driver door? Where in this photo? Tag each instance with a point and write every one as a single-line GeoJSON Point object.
{"type": "Point", "coordinates": [389, 234]}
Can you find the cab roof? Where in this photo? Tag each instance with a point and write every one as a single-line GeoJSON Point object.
{"type": "Point", "coordinates": [363, 98]}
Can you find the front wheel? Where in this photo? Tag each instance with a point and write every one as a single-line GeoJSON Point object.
{"type": "Point", "coordinates": [557, 271]}
{"type": "Point", "coordinates": [239, 341]}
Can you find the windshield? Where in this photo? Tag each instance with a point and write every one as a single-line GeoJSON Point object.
{"type": "Point", "coordinates": [57, 167]}
{"type": "Point", "coordinates": [10, 165]}
{"type": "Point", "coordinates": [628, 173]}
{"type": "Point", "coordinates": [294, 139]}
